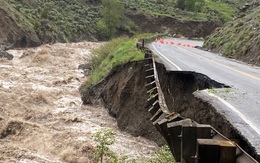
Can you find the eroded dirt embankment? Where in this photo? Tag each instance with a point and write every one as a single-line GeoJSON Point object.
{"type": "Point", "coordinates": [123, 93]}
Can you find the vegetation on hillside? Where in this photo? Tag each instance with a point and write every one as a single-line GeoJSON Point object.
{"type": "Point", "coordinates": [112, 12]}
{"type": "Point", "coordinates": [72, 20]}
{"type": "Point", "coordinates": [201, 10]}
{"type": "Point", "coordinates": [59, 20]}
{"type": "Point", "coordinates": [77, 20]}
{"type": "Point", "coordinates": [111, 54]}
{"type": "Point", "coordinates": [239, 39]}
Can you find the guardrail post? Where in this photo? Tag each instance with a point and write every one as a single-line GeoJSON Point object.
{"type": "Point", "coordinates": [175, 131]}
{"type": "Point", "coordinates": [190, 134]}
{"type": "Point", "coordinates": [216, 151]}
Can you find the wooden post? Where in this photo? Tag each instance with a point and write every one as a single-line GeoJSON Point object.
{"type": "Point", "coordinates": [175, 131]}
{"type": "Point", "coordinates": [190, 134]}
{"type": "Point", "coordinates": [216, 151]}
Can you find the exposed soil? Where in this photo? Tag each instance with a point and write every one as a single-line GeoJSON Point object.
{"type": "Point", "coordinates": [162, 24]}
{"type": "Point", "coordinates": [42, 118]}
{"type": "Point", "coordinates": [123, 92]}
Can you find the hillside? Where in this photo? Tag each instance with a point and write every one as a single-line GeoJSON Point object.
{"type": "Point", "coordinates": [34, 22]}
{"type": "Point", "coordinates": [240, 38]}
{"type": "Point", "coordinates": [15, 29]}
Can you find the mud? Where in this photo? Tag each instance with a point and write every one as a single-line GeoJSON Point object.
{"type": "Point", "coordinates": [42, 118]}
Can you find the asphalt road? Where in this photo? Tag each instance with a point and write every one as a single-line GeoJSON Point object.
{"type": "Point", "coordinates": [240, 103]}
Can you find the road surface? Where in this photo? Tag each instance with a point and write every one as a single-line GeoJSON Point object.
{"type": "Point", "coordinates": [240, 103]}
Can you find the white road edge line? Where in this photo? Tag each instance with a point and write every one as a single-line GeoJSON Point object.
{"type": "Point", "coordinates": [177, 67]}
{"type": "Point", "coordinates": [235, 110]}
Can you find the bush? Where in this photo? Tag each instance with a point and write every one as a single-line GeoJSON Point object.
{"type": "Point", "coordinates": [102, 152]}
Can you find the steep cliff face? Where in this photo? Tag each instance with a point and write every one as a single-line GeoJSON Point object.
{"type": "Point", "coordinates": [240, 38]}
{"type": "Point", "coordinates": [123, 93]}
{"type": "Point", "coordinates": [14, 33]}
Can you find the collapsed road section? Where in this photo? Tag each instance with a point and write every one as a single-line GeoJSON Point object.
{"type": "Point", "coordinates": [124, 92]}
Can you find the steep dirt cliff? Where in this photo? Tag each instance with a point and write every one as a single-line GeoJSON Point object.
{"type": "Point", "coordinates": [123, 93]}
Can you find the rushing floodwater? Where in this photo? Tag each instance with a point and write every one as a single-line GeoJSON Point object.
{"type": "Point", "coordinates": [41, 114]}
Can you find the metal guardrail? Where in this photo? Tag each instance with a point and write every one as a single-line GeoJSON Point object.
{"type": "Point", "coordinates": [189, 141]}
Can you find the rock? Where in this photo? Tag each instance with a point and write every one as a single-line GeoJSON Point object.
{"type": "Point", "coordinates": [86, 68]}
{"type": "Point", "coordinates": [4, 54]}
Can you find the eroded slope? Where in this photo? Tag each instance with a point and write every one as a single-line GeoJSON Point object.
{"type": "Point", "coordinates": [123, 93]}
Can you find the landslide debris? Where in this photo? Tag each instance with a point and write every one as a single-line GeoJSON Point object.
{"type": "Point", "coordinates": [240, 38]}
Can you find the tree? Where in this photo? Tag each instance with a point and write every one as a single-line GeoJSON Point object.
{"type": "Point", "coordinates": [112, 11]}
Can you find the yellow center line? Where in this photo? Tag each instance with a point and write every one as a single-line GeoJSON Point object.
{"type": "Point", "coordinates": [239, 71]}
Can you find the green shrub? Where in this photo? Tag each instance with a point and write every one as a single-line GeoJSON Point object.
{"type": "Point", "coordinates": [101, 152]}
{"type": "Point", "coordinates": [104, 139]}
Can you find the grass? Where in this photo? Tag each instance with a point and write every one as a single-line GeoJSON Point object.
{"type": "Point", "coordinates": [212, 10]}
{"type": "Point", "coordinates": [224, 10]}
{"type": "Point", "coordinates": [117, 51]}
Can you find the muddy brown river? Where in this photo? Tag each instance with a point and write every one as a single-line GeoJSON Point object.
{"type": "Point", "coordinates": [42, 118]}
